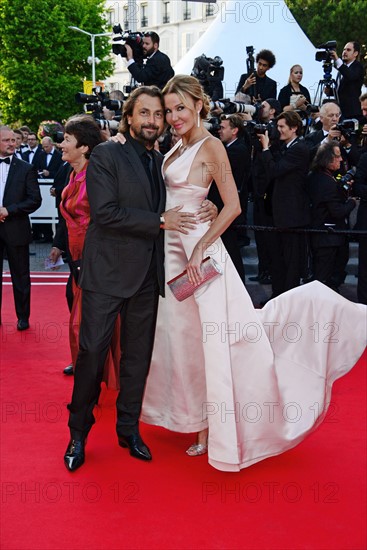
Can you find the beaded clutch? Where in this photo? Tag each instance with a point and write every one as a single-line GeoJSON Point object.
{"type": "Point", "coordinates": [181, 286]}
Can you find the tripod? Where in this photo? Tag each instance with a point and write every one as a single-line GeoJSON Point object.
{"type": "Point", "coordinates": [330, 85]}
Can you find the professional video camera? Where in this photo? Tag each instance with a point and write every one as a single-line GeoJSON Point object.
{"type": "Point", "coordinates": [325, 55]}
{"type": "Point", "coordinates": [133, 39]}
{"type": "Point", "coordinates": [94, 103]}
{"type": "Point", "coordinates": [210, 74]}
{"type": "Point", "coordinates": [348, 128]}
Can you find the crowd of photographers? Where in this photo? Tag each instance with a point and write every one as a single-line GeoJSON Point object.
{"type": "Point", "coordinates": [297, 166]}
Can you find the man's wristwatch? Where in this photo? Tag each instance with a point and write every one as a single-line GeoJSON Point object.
{"type": "Point", "coordinates": [162, 221]}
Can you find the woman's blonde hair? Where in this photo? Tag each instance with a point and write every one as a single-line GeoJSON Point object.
{"type": "Point", "coordinates": [292, 69]}
{"type": "Point", "coordinates": [184, 86]}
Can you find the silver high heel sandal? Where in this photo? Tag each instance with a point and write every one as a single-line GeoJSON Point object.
{"type": "Point", "coordinates": [197, 449]}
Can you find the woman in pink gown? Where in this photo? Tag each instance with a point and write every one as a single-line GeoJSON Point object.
{"type": "Point", "coordinates": [82, 134]}
{"type": "Point", "coordinates": [258, 380]}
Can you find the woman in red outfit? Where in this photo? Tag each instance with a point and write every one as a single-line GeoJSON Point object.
{"type": "Point", "coordinates": [82, 134]}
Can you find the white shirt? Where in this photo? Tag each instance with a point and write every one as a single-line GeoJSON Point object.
{"type": "Point", "coordinates": [4, 171]}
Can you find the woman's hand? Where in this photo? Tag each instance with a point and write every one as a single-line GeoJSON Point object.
{"type": "Point", "coordinates": [194, 266]}
{"type": "Point", "coordinates": [207, 213]}
{"type": "Point", "coordinates": [119, 138]}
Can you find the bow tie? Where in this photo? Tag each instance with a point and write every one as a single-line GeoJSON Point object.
{"type": "Point", "coordinates": [7, 160]}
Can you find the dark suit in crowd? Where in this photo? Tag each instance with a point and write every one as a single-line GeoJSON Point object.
{"type": "Point", "coordinates": [240, 161]}
{"type": "Point", "coordinates": [21, 198]}
{"type": "Point", "coordinates": [265, 87]}
{"type": "Point", "coordinates": [122, 271]}
{"type": "Point", "coordinates": [53, 165]}
{"type": "Point", "coordinates": [360, 190]}
{"type": "Point", "coordinates": [156, 71]}
{"type": "Point", "coordinates": [349, 89]}
{"type": "Point", "coordinates": [33, 158]}
{"type": "Point", "coordinates": [290, 208]}
{"type": "Point", "coordinates": [328, 206]}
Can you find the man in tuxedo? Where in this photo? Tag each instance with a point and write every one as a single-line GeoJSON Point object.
{"type": "Point", "coordinates": [122, 270]}
{"type": "Point", "coordinates": [32, 154]}
{"type": "Point", "coordinates": [231, 134]}
{"type": "Point", "coordinates": [157, 70]}
{"type": "Point", "coordinates": [258, 85]}
{"type": "Point", "coordinates": [290, 203]}
{"type": "Point", "coordinates": [50, 159]}
{"type": "Point", "coordinates": [350, 79]}
{"type": "Point", "coordinates": [19, 197]}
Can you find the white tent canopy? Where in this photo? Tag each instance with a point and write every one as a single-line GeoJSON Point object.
{"type": "Point", "coordinates": [263, 24]}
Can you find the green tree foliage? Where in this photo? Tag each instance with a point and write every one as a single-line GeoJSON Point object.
{"type": "Point", "coordinates": [340, 20]}
{"type": "Point", "coordinates": [42, 62]}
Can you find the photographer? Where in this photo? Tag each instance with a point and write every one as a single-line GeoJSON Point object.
{"type": "Point", "coordinates": [258, 85]}
{"type": "Point", "coordinates": [294, 96]}
{"type": "Point", "coordinates": [157, 70]}
{"type": "Point", "coordinates": [360, 190]}
{"type": "Point", "coordinates": [231, 134]}
{"type": "Point", "coordinates": [350, 79]}
{"type": "Point", "coordinates": [329, 207]}
{"type": "Point", "coordinates": [290, 202]}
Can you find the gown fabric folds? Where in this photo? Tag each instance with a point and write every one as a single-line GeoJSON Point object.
{"type": "Point", "coordinates": [259, 379]}
{"type": "Point", "coordinates": [75, 210]}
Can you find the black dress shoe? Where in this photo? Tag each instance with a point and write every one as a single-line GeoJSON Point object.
{"type": "Point", "coordinates": [74, 456]}
{"type": "Point", "coordinates": [69, 370]}
{"type": "Point", "coordinates": [22, 324]}
{"type": "Point", "coordinates": [137, 447]}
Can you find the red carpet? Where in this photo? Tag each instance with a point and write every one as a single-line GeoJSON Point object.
{"type": "Point", "coordinates": [312, 497]}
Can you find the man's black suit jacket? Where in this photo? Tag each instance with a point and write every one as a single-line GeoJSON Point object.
{"type": "Point", "coordinates": [55, 162]}
{"type": "Point", "coordinates": [21, 197]}
{"type": "Point", "coordinates": [36, 156]}
{"type": "Point", "coordinates": [328, 206]}
{"type": "Point", "coordinates": [124, 229]}
{"type": "Point", "coordinates": [265, 86]}
{"type": "Point", "coordinates": [290, 201]}
{"type": "Point", "coordinates": [360, 190]}
{"type": "Point", "coordinates": [350, 89]}
{"type": "Point", "coordinates": [156, 71]}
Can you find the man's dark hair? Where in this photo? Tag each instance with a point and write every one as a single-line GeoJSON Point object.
{"type": "Point", "coordinates": [25, 129]}
{"type": "Point", "coordinates": [235, 121]}
{"type": "Point", "coordinates": [19, 132]}
{"type": "Point", "coordinates": [268, 56]}
{"type": "Point", "coordinates": [85, 130]}
{"type": "Point", "coordinates": [324, 156]}
{"type": "Point", "coordinates": [363, 97]}
{"type": "Point", "coordinates": [357, 47]}
{"type": "Point", "coordinates": [152, 91]}
{"type": "Point", "coordinates": [292, 119]}
{"type": "Point", "coordinates": [153, 35]}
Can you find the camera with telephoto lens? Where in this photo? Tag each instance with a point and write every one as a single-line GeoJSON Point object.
{"type": "Point", "coordinates": [230, 107]}
{"type": "Point", "coordinates": [325, 56]}
{"type": "Point", "coordinates": [255, 129]}
{"type": "Point", "coordinates": [346, 181]}
{"type": "Point", "coordinates": [132, 39]}
{"type": "Point", "coordinates": [93, 104]}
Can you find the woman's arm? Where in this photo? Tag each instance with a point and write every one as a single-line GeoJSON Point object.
{"type": "Point", "coordinates": [215, 166]}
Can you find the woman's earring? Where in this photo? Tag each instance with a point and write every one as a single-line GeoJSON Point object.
{"type": "Point", "coordinates": [198, 119]}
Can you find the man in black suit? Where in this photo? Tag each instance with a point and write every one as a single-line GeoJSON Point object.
{"type": "Point", "coordinates": [360, 190]}
{"type": "Point", "coordinates": [329, 207]}
{"type": "Point", "coordinates": [19, 197]}
{"type": "Point", "coordinates": [50, 159]}
{"type": "Point", "coordinates": [350, 79]}
{"type": "Point", "coordinates": [32, 154]}
{"type": "Point", "coordinates": [231, 134]}
{"type": "Point", "coordinates": [157, 70]}
{"type": "Point", "coordinates": [258, 85]}
{"type": "Point", "coordinates": [122, 270]}
{"type": "Point", "coordinates": [290, 203]}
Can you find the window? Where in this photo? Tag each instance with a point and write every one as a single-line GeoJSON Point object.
{"type": "Point", "coordinates": [166, 17]}
{"type": "Point", "coordinates": [144, 16]}
{"type": "Point", "coordinates": [186, 11]}
{"type": "Point", "coordinates": [209, 10]}
{"type": "Point", "coordinates": [126, 19]}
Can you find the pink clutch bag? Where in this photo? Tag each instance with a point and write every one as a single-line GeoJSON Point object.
{"type": "Point", "coordinates": [181, 286]}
